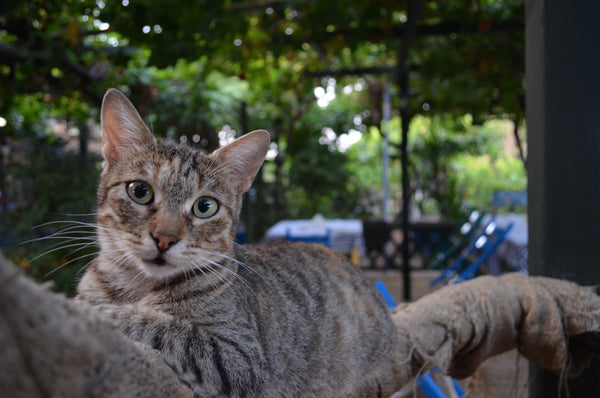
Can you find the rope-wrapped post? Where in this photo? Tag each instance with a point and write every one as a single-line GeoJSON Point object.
{"type": "Point", "coordinates": [553, 323]}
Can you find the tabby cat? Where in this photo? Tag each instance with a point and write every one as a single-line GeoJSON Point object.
{"type": "Point", "coordinates": [269, 320]}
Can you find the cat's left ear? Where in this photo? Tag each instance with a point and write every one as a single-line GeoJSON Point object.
{"type": "Point", "coordinates": [243, 157]}
{"type": "Point", "coordinates": [122, 126]}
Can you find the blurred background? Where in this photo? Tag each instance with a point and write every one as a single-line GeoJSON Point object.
{"type": "Point", "coordinates": [336, 83]}
{"type": "Point", "coordinates": [398, 127]}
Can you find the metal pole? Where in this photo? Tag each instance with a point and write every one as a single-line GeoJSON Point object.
{"type": "Point", "coordinates": [413, 13]}
{"type": "Point", "coordinates": [3, 191]}
{"type": "Point", "coordinates": [405, 185]}
{"type": "Point", "coordinates": [387, 111]}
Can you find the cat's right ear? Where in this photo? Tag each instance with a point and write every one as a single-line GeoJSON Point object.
{"type": "Point", "coordinates": [243, 158]}
{"type": "Point", "coordinates": [122, 126]}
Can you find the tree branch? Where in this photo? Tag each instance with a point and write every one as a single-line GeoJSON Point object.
{"type": "Point", "coordinates": [518, 141]}
{"type": "Point", "coordinates": [53, 347]}
{"type": "Point", "coordinates": [8, 51]}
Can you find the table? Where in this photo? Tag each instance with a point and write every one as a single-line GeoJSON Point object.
{"type": "Point", "coordinates": [344, 234]}
{"type": "Point", "coordinates": [513, 250]}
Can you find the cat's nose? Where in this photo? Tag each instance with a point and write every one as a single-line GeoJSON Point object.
{"type": "Point", "coordinates": [164, 240]}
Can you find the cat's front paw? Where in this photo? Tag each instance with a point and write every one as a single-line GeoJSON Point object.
{"type": "Point", "coordinates": [110, 312]}
{"type": "Point", "coordinates": [133, 314]}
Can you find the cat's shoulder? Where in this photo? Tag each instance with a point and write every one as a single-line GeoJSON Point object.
{"type": "Point", "coordinates": [294, 257]}
{"type": "Point", "coordinates": [280, 249]}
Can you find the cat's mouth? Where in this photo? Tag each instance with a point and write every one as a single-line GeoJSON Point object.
{"type": "Point", "coordinates": [158, 267]}
{"type": "Point", "coordinates": [158, 260]}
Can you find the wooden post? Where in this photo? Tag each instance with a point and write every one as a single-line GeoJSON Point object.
{"type": "Point", "coordinates": [563, 121]}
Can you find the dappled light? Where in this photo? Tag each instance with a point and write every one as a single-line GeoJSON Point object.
{"type": "Point", "coordinates": [322, 78]}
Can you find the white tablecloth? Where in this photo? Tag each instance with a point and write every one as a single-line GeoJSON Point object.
{"type": "Point", "coordinates": [344, 235]}
{"type": "Point", "coordinates": [514, 250]}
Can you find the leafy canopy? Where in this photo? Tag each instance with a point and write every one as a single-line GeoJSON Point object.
{"type": "Point", "coordinates": [190, 64]}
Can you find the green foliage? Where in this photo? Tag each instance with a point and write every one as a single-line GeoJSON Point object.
{"type": "Point", "coordinates": [480, 176]}
{"type": "Point", "coordinates": [456, 166]}
{"type": "Point", "coordinates": [186, 99]}
{"type": "Point", "coordinates": [189, 64]}
{"type": "Point", "coordinates": [318, 180]}
{"type": "Point", "coordinates": [49, 192]}
{"type": "Point", "coordinates": [366, 170]}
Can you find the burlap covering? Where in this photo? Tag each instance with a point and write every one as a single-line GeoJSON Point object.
{"type": "Point", "coordinates": [53, 348]}
{"type": "Point", "coordinates": [553, 323]}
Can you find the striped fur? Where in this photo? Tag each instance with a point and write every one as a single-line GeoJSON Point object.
{"type": "Point", "coordinates": [271, 320]}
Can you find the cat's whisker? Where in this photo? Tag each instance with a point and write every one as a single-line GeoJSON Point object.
{"type": "Point", "coordinates": [204, 265]}
{"type": "Point", "coordinates": [72, 235]}
{"type": "Point", "coordinates": [65, 238]}
{"type": "Point", "coordinates": [201, 268]}
{"type": "Point", "coordinates": [225, 270]}
{"type": "Point", "coordinates": [122, 260]}
{"type": "Point", "coordinates": [226, 257]}
{"type": "Point", "coordinates": [69, 262]}
{"type": "Point", "coordinates": [68, 223]}
{"type": "Point", "coordinates": [186, 274]}
{"type": "Point", "coordinates": [78, 226]}
{"type": "Point", "coordinates": [85, 266]}
{"type": "Point", "coordinates": [61, 247]}
{"type": "Point", "coordinates": [246, 248]}
{"type": "Point", "coordinates": [66, 233]}
{"type": "Point", "coordinates": [240, 263]}
{"type": "Point", "coordinates": [77, 214]}
{"type": "Point", "coordinates": [60, 222]}
{"type": "Point", "coordinates": [75, 234]}
{"type": "Point", "coordinates": [83, 247]}
{"type": "Point", "coordinates": [125, 259]}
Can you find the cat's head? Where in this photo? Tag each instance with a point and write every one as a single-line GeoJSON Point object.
{"type": "Point", "coordinates": [165, 209]}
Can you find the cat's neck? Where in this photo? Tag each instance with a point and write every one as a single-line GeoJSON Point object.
{"type": "Point", "coordinates": [129, 285]}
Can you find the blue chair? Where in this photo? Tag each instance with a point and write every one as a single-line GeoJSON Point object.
{"type": "Point", "coordinates": [477, 252]}
{"type": "Point", "coordinates": [432, 390]}
{"type": "Point", "coordinates": [387, 296]}
{"type": "Point", "coordinates": [425, 382]}
{"type": "Point", "coordinates": [324, 240]}
{"type": "Point", "coordinates": [489, 243]}
{"type": "Point", "coordinates": [457, 241]}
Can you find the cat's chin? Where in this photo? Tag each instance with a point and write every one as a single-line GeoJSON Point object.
{"type": "Point", "coordinates": [158, 261]}
{"type": "Point", "coordinates": [158, 268]}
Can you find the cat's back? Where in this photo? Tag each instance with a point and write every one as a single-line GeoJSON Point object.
{"type": "Point", "coordinates": [311, 272]}
{"type": "Point", "coordinates": [320, 310]}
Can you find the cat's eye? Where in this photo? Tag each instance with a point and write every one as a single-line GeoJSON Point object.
{"type": "Point", "coordinates": [205, 207]}
{"type": "Point", "coordinates": [140, 192]}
